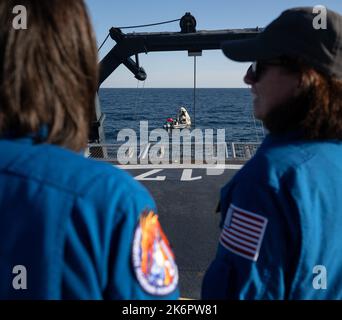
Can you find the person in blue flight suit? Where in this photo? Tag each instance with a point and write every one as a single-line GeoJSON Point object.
{"type": "Point", "coordinates": [282, 212]}
{"type": "Point", "coordinates": [70, 227]}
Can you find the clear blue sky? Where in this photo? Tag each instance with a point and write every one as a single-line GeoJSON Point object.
{"type": "Point", "coordinates": [176, 69]}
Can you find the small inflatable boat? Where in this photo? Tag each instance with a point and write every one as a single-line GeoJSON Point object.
{"type": "Point", "coordinates": [181, 122]}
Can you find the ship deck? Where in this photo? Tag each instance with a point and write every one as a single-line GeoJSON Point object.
{"type": "Point", "coordinates": [187, 195]}
{"type": "Point", "coordinates": [187, 210]}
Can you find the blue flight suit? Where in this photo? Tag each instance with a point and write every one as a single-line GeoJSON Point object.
{"type": "Point", "coordinates": [281, 224]}
{"type": "Point", "coordinates": [70, 221]}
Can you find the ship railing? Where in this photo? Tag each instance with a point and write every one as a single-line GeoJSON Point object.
{"type": "Point", "coordinates": [244, 150]}
{"type": "Point", "coordinates": [111, 152]}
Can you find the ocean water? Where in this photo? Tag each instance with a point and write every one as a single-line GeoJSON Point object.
{"type": "Point", "coordinates": [229, 109]}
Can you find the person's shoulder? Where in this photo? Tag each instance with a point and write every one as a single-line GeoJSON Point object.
{"type": "Point", "coordinates": [284, 156]}
{"type": "Point", "coordinates": [271, 164]}
{"type": "Point", "coordinates": [298, 154]}
{"type": "Point", "coordinates": [72, 172]}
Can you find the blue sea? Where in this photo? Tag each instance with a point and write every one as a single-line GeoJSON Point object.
{"type": "Point", "coordinates": [229, 109]}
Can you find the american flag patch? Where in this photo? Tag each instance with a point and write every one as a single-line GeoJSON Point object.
{"type": "Point", "coordinates": [243, 232]}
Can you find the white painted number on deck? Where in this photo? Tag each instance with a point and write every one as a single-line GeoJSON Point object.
{"type": "Point", "coordinates": [144, 176]}
{"type": "Point", "coordinates": [187, 176]}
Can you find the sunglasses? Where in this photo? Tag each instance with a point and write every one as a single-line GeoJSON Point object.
{"type": "Point", "coordinates": [258, 68]}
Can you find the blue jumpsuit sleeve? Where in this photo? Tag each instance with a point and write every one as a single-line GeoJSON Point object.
{"type": "Point", "coordinates": [126, 280]}
{"type": "Point", "coordinates": [258, 239]}
{"type": "Point", "coordinates": [99, 260]}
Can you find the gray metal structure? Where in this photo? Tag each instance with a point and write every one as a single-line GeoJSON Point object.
{"type": "Point", "coordinates": [132, 44]}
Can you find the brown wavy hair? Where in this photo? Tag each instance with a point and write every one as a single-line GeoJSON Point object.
{"type": "Point", "coordinates": [48, 72]}
{"type": "Point", "coordinates": [316, 112]}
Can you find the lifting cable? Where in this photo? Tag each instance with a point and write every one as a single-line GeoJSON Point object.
{"type": "Point", "coordinates": [195, 55]}
{"type": "Point", "coordinates": [195, 77]}
{"type": "Point", "coordinates": [139, 26]}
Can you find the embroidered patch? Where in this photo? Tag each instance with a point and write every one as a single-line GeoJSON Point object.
{"type": "Point", "coordinates": [153, 259]}
{"type": "Point", "coordinates": [243, 232]}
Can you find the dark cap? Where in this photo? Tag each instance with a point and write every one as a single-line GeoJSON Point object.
{"type": "Point", "coordinates": [293, 34]}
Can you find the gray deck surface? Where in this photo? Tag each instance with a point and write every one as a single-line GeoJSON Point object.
{"type": "Point", "coordinates": [187, 214]}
